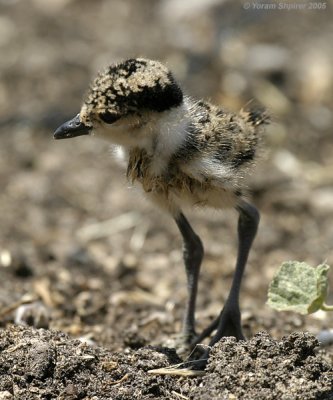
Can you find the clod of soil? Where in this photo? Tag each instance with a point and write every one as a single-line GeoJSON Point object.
{"type": "Point", "coordinates": [41, 364]}
{"type": "Point", "coordinates": [267, 369]}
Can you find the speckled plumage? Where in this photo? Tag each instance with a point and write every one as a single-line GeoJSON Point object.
{"type": "Point", "coordinates": [181, 151]}
{"type": "Point", "coordinates": [125, 88]}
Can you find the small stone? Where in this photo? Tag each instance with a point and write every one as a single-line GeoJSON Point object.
{"type": "Point", "coordinates": [325, 337]}
{"type": "Point", "coordinates": [6, 395]}
{"type": "Point", "coordinates": [109, 365]}
{"type": "Point", "coordinates": [34, 314]}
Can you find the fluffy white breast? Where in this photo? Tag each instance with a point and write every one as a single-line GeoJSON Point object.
{"type": "Point", "coordinates": [171, 132]}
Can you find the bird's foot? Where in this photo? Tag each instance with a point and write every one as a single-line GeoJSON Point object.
{"type": "Point", "coordinates": [195, 354]}
{"type": "Point", "coordinates": [193, 365]}
{"type": "Point", "coordinates": [229, 324]}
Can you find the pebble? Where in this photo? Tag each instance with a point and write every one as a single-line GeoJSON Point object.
{"type": "Point", "coordinates": [34, 314]}
{"type": "Point", "coordinates": [5, 395]}
{"type": "Point", "coordinates": [322, 200]}
{"type": "Point", "coordinates": [325, 337]}
{"type": "Point", "coordinates": [266, 58]}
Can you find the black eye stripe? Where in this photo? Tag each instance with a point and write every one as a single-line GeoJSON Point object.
{"type": "Point", "coordinates": [109, 118]}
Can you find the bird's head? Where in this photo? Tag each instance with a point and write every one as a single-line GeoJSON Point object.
{"type": "Point", "coordinates": [122, 100]}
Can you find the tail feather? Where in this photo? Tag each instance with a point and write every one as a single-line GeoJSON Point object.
{"type": "Point", "coordinates": [255, 113]}
{"type": "Point", "coordinates": [257, 116]}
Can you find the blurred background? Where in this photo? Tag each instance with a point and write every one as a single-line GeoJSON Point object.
{"type": "Point", "coordinates": [102, 262]}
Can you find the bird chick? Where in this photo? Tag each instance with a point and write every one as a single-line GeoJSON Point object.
{"type": "Point", "coordinates": [184, 153]}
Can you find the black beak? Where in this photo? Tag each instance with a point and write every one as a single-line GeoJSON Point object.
{"type": "Point", "coordinates": [71, 128]}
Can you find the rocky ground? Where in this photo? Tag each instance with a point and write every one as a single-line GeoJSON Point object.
{"type": "Point", "coordinates": [83, 254]}
{"type": "Point", "coordinates": [47, 364]}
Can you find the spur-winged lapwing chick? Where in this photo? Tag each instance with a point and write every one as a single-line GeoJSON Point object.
{"type": "Point", "coordinates": [184, 153]}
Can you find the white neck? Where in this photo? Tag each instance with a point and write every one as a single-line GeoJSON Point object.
{"type": "Point", "coordinates": [171, 130]}
{"type": "Point", "coordinates": [160, 134]}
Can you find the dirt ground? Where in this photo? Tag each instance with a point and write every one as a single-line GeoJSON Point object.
{"type": "Point", "coordinates": [83, 254]}
{"type": "Point", "coordinates": [47, 364]}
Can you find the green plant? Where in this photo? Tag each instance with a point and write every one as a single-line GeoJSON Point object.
{"type": "Point", "coordinates": [299, 287]}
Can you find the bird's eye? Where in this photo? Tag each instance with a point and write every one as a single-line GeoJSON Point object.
{"type": "Point", "coordinates": [109, 118]}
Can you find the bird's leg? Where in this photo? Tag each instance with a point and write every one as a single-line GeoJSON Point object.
{"type": "Point", "coordinates": [229, 323]}
{"type": "Point", "coordinates": [193, 253]}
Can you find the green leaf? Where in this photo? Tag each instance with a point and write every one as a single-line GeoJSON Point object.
{"type": "Point", "coordinates": [299, 287]}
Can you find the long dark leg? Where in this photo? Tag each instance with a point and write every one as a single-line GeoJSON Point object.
{"type": "Point", "coordinates": [226, 321]}
{"type": "Point", "coordinates": [193, 253]}
{"type": "Point", "coordinates": [229, 323]}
